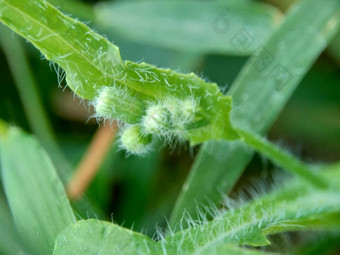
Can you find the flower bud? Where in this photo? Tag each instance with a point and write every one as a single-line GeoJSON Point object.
{"type": "Point", "coordinates": [116, 103]}
{"type": "Point", "coordinates": [157, 120]}
{"type": "Point", "coordinates": [134, 141]}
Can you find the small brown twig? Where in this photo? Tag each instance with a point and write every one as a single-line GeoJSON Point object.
{"type": "Point", "coordinates": [92, 160]}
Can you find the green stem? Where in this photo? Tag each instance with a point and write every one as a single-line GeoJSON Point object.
{"type": "Point", "coordinates": [282, 158]}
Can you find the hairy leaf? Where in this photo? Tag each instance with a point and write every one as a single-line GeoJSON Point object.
{"type": "Point", "coordinates": [107, 238]}
{"type": "Point", "coordinates": [87, 58]}
{"type": "Point", "coordinates": [122, 90]}
{"type": "Point", "coordinates": [292, 207]}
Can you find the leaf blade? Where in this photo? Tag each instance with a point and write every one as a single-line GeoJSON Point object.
{"type": "Point", "coordinates": [10, 241]}
{"type": "Point", "coordinates": [289, 208]}
{"type": "Point", "coordinates": [106, 238]}
{"type": "Point", "coordinates": [88, 59]}
{"type": "Point", "coordinates": [35, 193]}
{"type": "Point", "coordinates": [122, 91]}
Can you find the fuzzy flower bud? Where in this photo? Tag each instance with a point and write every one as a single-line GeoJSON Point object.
{"type": "Point", "coordinates": [157, 120]}
{"type": "Point", "coordinates": [134, 142]}
{"type": "Point", "coordinates": [116, 103]}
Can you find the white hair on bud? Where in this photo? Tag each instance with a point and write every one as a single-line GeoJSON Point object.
{"type": "Point", "coordinates": [134, 142]}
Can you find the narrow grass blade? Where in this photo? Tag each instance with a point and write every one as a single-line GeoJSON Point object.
{"type": "Point", "coordinates": [259, 94]}
{"type": "Point", "coordinates": [26, 85]}
{"type": "Point", "coordinates": [30, 97]}
{"type": "Point", "coordinates": [34, 192]}
{"type": "Point", "coordinates": [202, 27]}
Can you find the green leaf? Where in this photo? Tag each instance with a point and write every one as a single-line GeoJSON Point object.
{"type": "Point", "coordinates": [25, 82]}
{"type": "Point", "coordinates": [10, 241]}
{"type": "Point", "coordinates": [233, 250]}
{"type": "Point", "coordinates": [203, 27]}
{"type": "Point", "coordinates": [26, 85]}
{"type": "Point", "coordinates": [107, 238]}
{"type": "Point", "coordinates": [34, 192]}
{"type": "Point", "coordinates": [121, 90]}
{"type": "Point", "coordinates": [99, 237]}
{"type": "Point", "coordinates": [290, 208]}
{"type": "Point", "coordinates": [30, 97]}
{"type": "Point", "coordinates": [259, 94]}
{"type": "Point", "coordinates": [88, 59]}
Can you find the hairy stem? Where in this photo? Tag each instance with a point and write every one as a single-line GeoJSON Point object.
{"type": "Point", "coordinates": [282, 158]}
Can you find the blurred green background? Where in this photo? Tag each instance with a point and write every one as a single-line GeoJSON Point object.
{"type": "Point", "coordinates": [139, 192]}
